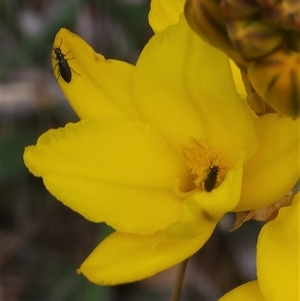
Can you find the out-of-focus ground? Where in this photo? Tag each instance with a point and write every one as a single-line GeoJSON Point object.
{"type": "Point", "coordinates": [43, 242]}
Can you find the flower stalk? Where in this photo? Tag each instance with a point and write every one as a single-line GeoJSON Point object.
{"type": "Point", "coordinates": [179, 281]}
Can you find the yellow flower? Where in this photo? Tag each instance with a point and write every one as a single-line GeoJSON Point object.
{"type": "Point", "coordinates": [149, 138]}
{"type": "Point", "coordinates": [277, 261]}
{"type": "Point", "coordinates": [164, 13]}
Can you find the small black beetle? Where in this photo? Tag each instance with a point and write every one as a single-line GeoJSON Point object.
{"type": "Point", "coordinates": [211, 180]}
{"type": "Point", "coordinates": [63, 66]}
{"type": "Point", "coordinates": [64, 70]}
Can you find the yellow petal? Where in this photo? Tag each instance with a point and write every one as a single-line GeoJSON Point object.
{"type": "Point", "coordinates": [122, 258]}
{"type": "Point", "coordinates": [118, 171]}
{"type": "Point", "coordinates": [278, 255]}
{"type": "Point", "coordinates": [164, 13]}
{"type": "Point", "coordinates": [99, 87]}
{"type": "Point", "coordinates": [224, 198]}
{"type": "Point", "coordinates": [184, 88]}
{"type": "Point", "coordinates": [274, 169]}
{"type": "Point", "coordinates": [245, 292]}
{"type": "Point", "coordinates": [236, 73]}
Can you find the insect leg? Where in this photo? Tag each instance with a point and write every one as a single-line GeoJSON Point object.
{"type": "Point", "coordinates": [75, 71]}
{"type": "Point", "coordinates": [54, 68]}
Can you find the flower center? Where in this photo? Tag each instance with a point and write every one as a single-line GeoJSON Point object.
{"type": "Point", "coordinates": [205, 172]}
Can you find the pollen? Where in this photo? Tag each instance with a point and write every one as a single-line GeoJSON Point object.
{"type": "Point", "coordinates": [199, 157]}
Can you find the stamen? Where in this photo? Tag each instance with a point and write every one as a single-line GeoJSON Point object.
{"type": "Point", "coordinates": [201, 158]}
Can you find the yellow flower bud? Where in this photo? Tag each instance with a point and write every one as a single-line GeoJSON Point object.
{"type": "Point", "coordinates": [205, 18]}
{"type": "Point", "coordinates": [253, 39]}
{"type": "Point", "coordinates": [238, 9]}
{"type": "Point", "coordinates": [276, 78]}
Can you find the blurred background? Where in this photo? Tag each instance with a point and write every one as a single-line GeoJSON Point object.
{"type": "Point", "coordinates": [43, 242]}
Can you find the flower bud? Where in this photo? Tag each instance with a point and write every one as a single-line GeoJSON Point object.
{"type": "Point", "coordinates": [262, 37]}
{"type": "Point", "coordinates": [253, 39]}
{"type": "Point", "coordinates": [285, 14]}
{"type": "Point", "coordinates": [205, 18]}
{"type": "Point", "coordinates": [276, 78]}
{"type": "Point", "coordinates": [238, 9]}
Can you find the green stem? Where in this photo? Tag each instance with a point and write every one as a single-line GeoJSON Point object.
{"type": "Point", "coordinates": [179, 281]}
